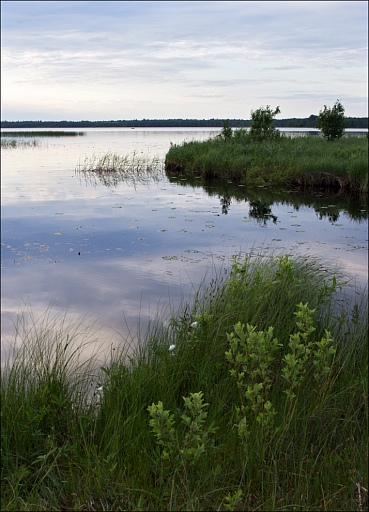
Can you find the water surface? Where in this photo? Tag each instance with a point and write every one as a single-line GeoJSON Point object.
{"type": "Point", "coordinates": [119, 253]}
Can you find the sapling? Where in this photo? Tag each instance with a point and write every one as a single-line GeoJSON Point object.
{"type": "Point", "coordinates": [304, 355]}
{"type": "Point", "coordinates": [196, 438]}
{"type": "Point", "coordinates": [252, 354]}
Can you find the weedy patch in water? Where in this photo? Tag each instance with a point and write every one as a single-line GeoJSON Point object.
{"type": "Point", "coordinates": [111, 169]}
{"type": "Point", "coordinates": [13, 143]}
{"type": "Point", "coordinates": [48, 133]}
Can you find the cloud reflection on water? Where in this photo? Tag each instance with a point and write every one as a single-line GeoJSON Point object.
{"type": "Point", "coordinates": [122, 255]}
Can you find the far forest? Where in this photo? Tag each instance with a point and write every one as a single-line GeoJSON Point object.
{"type": "Point", "coordinates": [309, 122]}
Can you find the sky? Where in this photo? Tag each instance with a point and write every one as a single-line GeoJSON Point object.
{"type": "Point", "coordinates": [102, 60]}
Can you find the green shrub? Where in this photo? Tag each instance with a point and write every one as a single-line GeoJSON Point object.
{"type": "Point", "coordinates": [332, 121]}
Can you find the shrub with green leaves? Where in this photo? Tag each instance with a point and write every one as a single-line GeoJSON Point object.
{"type": "Point", "coordinates": [262, 124]}
{"type": "Point", "coordinates": [194, 443]}
{"type": "Point", "coordinates": [332, 121]}
{"type": "Point", "coordinates": [255, 357]}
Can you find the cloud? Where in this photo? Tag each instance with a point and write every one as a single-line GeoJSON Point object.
{"type": "Point", "coordinates": [158, 52]}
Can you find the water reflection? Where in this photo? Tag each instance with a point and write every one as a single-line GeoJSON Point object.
{"type": "Point", "coordinates": [261, 200]}
{"type": "Point", "coordinates": [122, 249]}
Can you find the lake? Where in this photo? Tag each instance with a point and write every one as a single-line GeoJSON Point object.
{"type": "Point", "coordinates": [124, 252]}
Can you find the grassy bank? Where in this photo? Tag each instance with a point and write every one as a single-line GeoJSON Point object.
{"type": "Point", "coordinates": [209, 413]}
{"type": "Point", "coordinates": [286, 161]}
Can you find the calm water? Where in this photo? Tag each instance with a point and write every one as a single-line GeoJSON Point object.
{"type": "Point", "coordinates": [119, 253]}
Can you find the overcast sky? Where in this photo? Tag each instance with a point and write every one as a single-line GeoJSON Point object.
{"type": "Point", "coordinates": [101, 60]}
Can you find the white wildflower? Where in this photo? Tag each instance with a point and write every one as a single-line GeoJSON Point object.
{"type": "Point", "coordinates": [171, 348]}
{"type": "Point", "coordinates": [194, 325]}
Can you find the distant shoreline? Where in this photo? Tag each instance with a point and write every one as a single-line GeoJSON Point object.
{"type": "Point", "coordinates": [310, 122]}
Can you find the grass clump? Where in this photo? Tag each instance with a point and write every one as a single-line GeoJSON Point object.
{"type": "Point", "coordinates": [252, 397]}
{"type": "Point", "coordinates": [111, 169]}
{"type": "Point", "coordinates": [304, 161]}
{"type": "Point", "coordinates": [14, 143]}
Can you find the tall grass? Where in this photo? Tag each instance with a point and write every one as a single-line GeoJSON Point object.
{"type": "Point", "coordinates": [62, 449]}
{"type": "Point", "coordinates": [44, 133]}
{"type": "Point", "coordinates": [284, 161]}
{"type": "Point", "coordinates": [110, 169]}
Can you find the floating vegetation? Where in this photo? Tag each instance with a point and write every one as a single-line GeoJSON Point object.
{"type": "Point", "coordinates": [111, 169]}
{"type": "Point", "coordinates": [13, 143]}
{"type": "Point", "coordinates": [45, 133]}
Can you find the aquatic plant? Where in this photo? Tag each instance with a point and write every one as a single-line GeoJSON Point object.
{"type": "Point", "coordinates": [41, 133]}
{"type": "Point", "coordinates": [110, 168]}
{"type": "Point", "coordinates": [14, 143]}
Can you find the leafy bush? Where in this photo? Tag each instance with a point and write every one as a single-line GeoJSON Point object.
{"type": "Point", "coordinates": [262, 123]}
{"type": "Point", "coordinates": [332, 121]}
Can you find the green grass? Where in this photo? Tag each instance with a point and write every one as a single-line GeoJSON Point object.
{"type": "Point", "coordinates": [44, 133]}
{"type": "Point", "coordinates": [65, 447]}
{"type": "Point", "coordinates": [302, 161]}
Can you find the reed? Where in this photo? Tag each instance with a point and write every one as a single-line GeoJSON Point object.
{"type": "Point", "coordinates": [14, 143]}
{"type": "Point", "coordinates": [110, 169]}
{"type": "Point", "coordinates": [65, 448]}
{"type": "Point", "coordinates": [44, 133]}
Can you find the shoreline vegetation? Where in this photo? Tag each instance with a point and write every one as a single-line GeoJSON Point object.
{"type": "Point", "coordinates": [253, 396]}
{"type": "Point", "coordinates": [301, 162]}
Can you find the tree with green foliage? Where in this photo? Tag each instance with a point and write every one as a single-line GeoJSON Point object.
{"type": "Point", "coordinates": [332, 121]}
{"type": "Point", "coordinates": [226, 132]}
{"type": "Point", "coordinates": [262, 124]}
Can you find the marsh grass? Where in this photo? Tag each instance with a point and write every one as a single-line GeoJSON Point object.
{"type": "Point", "coordinates": [44, 133]}
{"type": "Point", "coordinates": [110, 169]}
{"type": "Point", "coordinates": [59, 453]}
{"type": "Point", "coordinates": [303, 161]}
{"type": "Point", "coordinates": [14, 143]}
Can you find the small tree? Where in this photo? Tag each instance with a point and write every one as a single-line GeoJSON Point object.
{"type": "Point", "coordinates": [226, 132]}
{"type": "Point", "coordinates": [332, 121]}
{"type": "Point", "coordinates": [262, 123]}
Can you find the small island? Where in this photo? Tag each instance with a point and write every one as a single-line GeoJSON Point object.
{"type": "Point", "coordinates": [264, 156]}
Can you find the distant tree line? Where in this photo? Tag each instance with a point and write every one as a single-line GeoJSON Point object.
{"type": "Point", "coordinates": [309, 122]}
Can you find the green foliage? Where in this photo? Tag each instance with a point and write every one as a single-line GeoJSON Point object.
{"type": "Point", "coordinates": [62, 448]}
{"type": "Point", "coordinates": [304, 161]}
{"type": "Point", "coordinates": [262, 124]}
{"type": "Point", "coordinates": [332, 121]}
{"type": "Point", "coordinates": [232, 500]}
{"type": "Point", "coordinates": [196, 438]}
{"type": "Point", "coordinates": [251, 355]}
{"type": "Point", "coordinates": [226, 133]}
{"type": "Point", "coordinates": [256, 361]}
